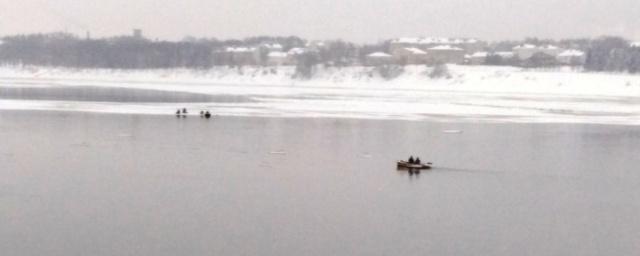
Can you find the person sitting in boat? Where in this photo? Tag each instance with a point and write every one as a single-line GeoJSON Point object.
{"type": "Point", "coordinates": [184, 111]}
{"type": "Point", "coordinates": [178, 112]}
{"type": "Point", "coordinates": [411, 161]}
{"type": "Point", "coordinates": [418, 161]}
{"type": "Point", "coordinates": [207, 115]}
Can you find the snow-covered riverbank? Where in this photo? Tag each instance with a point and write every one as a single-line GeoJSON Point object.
{"type": "Point", "coordinates": [472, 93]}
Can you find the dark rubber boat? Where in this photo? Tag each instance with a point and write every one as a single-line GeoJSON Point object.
{"type": "Point", "coordinates": [404, 165]}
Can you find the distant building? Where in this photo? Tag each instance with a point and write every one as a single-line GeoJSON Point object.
{"type": "Point", "coordinates": [316, 45]}
{"type": "Point", "coordinates": [239, 56]}
{"type": "Point", "coordinates": [445, 54]}
{"type": "Point", "coordinates": [405, 42]}
{"type": "Point", "coordinates": [505, 55]}
{"type": "Point", "coordinates": [295, 53]}
{"type": "Point", "coordinates": [137, 33]}
{"type": "Point", "coordinates": [272, 47]}
{"type": "Point", "coordinates": [263, 54]}
{"type": "Point", "coordinates": [572, 57]}
{"type": "Point", "coordinates": [278, 59]}
{"type": "Point", "coordinates": [478, 58]}
{"type": "Point", "coordinates": [526, 51]}
{"type": "Point", "coordinates": [410, 56]}
{"type": "Point", "coordinates": [469, 45]}
{"type": "Point", "coordinates": [378, 59]}
{"type": "Point", "coordinates": [551, 50]}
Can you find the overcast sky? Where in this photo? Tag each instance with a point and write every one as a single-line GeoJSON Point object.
{"type": "Point", "coordinates": [356, 20]}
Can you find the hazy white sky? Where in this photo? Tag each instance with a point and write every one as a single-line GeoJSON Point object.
{"type": "Point", "coordinates": [356, 20]}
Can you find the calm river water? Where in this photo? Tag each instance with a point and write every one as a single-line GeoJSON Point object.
{"type": "Point", "coordinates": [92, 184]}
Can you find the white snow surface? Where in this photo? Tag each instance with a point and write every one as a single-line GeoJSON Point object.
{"type": "Point", "coordinates": [474, 93]}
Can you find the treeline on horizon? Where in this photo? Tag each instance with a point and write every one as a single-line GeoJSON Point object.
{"type": "Point", "coordinates": [606, 53]}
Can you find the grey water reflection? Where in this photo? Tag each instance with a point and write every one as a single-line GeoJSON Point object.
{"type": "Point", "coordinates": [90, 184]}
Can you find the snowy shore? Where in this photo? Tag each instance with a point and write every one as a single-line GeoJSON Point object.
{"type": "Point", "coordinates": [471, 93]}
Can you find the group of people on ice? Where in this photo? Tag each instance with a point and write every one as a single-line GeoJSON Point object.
{"type": "Point", "coordinates": [183, 113]}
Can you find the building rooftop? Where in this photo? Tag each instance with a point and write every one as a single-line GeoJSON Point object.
{"type": "Point", "coordinates": [433, 40]}
{"type": "Point", "coordinates": [273, 46]}
{"type": "Point", "coordinates": [407, 40]}
{"type": "Point", "coordinates": [550, 47]}
{"type": "Point", "coordinates": [316, 44]}
{"type": "Point", "coordinates": [504, 54]}
{"type": "Point", "coordinates": [525, 46]}
{"type": "Point", "coordinates": [278, 54]}
{"type": "Point", "coordinates": [437, 40]}
{"type": "Point", "coordinates": [571, 53]}
{"type": "Point", "coordinates": [379, 55]}
{"type": "Point", "coordinates": [415, 50]}
{"type": "Point", "coordinates": [445, 48]}
{"type": "Point", "coordinates": [479, 55]}
{"type": "Point", "coordinates": [297, 51]}
{"type": "Point", "coordinates": [240, 49]}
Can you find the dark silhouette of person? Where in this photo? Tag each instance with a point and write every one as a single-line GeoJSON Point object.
{"type": "Point", "coordinates": [207, 115]}
{"type": "Point", "coordinates": [411, 161]}
{"type": "Point", "coordinates": [178, 112]}
{"type": "Point", "coordinates": [184, 111]}
{"type": "Point", "coordinates": [418, 161]}
{"type": "Point", "coordinates": [201, 113]}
